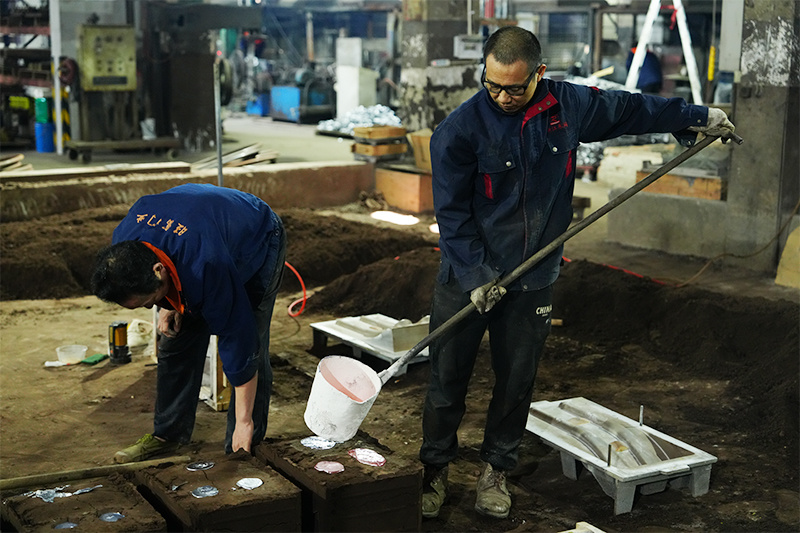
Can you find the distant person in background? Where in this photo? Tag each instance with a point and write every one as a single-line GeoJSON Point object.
{"type": "Point", "coordinates": [650, 77]}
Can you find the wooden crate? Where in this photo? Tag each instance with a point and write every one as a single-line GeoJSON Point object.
{"type": "Point", "coordinates": [380, 149]}
{"type": "Point", "coordinates": [408, 191]}
{"type": "Point", "coordinates": [379, 132]}
{"type": "Point", "coordinates": [693, 183]}
{"type": "Point", "coordinates": [362, 497]}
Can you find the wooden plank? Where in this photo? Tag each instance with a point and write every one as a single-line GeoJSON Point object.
{"type": "Point", "coordinates": [380, 149]}
{"type": "Point", "coordinates": [211, 162]}
{"type": "Point", "coordinates": [58, 174]}
{"type": "Point", "coordinates": [260, 157]}
{"type": "Point", "coordinates": [8, 161]}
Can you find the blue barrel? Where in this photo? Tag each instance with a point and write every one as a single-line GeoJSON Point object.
{"type": "Point", "coordinates": [45, 137]}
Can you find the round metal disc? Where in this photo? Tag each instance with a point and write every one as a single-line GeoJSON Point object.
{"type": "Point", "coordinates": [111, 517]}
{"type": "Point", "coordinates": [329, 467]}
{"type": "Point", "coordinates": [317, 443]}
{"type": "Point", "coordinates": [202, 465]}
{"type": "Point", "coordinates": [249, 483]}
{"type": "Point", "coordinates": [205, 491]}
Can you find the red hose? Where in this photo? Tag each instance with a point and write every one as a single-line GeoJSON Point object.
{"type": "Point", "coordinates": [303, 299]}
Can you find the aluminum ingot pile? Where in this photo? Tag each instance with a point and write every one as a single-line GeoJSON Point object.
{"type": "Point", "coordinates": [622, 454]}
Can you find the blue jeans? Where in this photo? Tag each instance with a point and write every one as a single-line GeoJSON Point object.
{"type": "Point", "coordinates": [181, 359]}
{"type": "Point", "coordinates": [518, 327]}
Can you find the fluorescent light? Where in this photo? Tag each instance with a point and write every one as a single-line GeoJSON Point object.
{"type": "Point", "coordinates": [395, 218]}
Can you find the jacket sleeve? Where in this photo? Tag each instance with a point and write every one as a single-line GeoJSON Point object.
{"type": "Point", "coordinates": [609, 114]}
{"type": "Point", "coordinates": [455, 164]}
{"type": "Point", "coordinates": [226, 309]}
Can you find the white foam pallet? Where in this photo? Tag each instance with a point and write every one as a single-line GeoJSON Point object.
{"type": "Point", "coordinates": [623, 455]}
{"type": "Point", "coordinates": [375, 334]}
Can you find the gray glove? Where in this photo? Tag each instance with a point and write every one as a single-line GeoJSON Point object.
{"type": "Point", "coordinates": [717, 125]}
{"type": "Point", "coordinates": [486, 296]}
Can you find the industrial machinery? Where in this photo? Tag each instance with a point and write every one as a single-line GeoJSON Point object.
{"type": "Point", "coordinates": [309, 97]}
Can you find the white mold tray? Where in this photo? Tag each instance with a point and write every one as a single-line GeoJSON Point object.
{"type": "Point", "coordinates": [623, 455]}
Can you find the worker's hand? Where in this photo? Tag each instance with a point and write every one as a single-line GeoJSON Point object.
{"type": "Point", "coordinates": [718, 125]}
{"type": "Point", "coordinates": [242, 435]}
{"type": "Point", "coordinates": [486, 296]}
{"type": "Point", "coordinates": [169, 322]}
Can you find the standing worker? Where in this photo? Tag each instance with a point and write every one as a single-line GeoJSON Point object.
{"type": "Point", "coordinates": [503, 177]}
{"type": "Point", "coordinates": [212, 260]}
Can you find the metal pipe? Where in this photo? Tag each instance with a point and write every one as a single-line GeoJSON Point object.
{"type": "Point", "coordinates": [55, 45]}
{"type": "Point", "coordinates": [218, 121]}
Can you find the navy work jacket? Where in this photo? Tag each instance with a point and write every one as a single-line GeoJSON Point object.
{"type": "Point", "coordinates": [217, 240]}
{"type": "Point", "coordinates": [503, 183]}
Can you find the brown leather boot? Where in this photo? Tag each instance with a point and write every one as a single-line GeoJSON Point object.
{"type": "Point", "coordinates": [493, 497]}
{"type": "Point", "coordinates": [434, 490]}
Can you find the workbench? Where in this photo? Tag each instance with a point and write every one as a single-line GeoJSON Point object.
{"type": "Point", "coordinates": [84, 149]}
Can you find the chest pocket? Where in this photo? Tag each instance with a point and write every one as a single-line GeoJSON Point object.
{"type": "Point", "coordinates": [560, 140]}
{"type": "Point", "coordinates": [492, 173]}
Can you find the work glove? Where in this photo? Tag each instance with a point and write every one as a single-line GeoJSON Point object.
{"type": "Point", "coordinates": [717, 125]}
{"type": "Point", "coordinates": [486, 296]}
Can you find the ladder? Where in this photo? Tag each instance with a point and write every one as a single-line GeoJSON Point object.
{"type": "Point", "coordinates": [686, 45]}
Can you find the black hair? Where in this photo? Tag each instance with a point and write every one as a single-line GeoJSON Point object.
{"type": "Point", "coordinates": [123, 270]}
{"type": "Point", "coordinates": [511, 44]}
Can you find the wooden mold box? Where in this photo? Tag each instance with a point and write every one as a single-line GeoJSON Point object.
{"type": "Point", "coordinates": [408, 191]}
{"type": "Point", "coordinates": [26, 512]}
{"type": "Point", "coordinates": [693, 183]}
{"type": "Point", "coordinates": [362, 497]}
{"type": "Point", "coordinates": [273, 506]}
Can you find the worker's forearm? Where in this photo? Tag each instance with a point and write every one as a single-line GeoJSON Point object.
{"type": "Point", "coordinates": [245, 398]}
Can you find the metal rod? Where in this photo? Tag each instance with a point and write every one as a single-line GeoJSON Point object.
{"type": "Point", "coordinates": [641, 415]}
{"type": "Point", "coordinates": [608, 462]}
{"type": "Point", "coordinates": [83, 473]}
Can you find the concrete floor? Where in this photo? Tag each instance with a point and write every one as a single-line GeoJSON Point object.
{"type": "Point", "coordinates": [299, 143]}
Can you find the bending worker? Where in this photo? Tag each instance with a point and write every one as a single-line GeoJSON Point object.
{"type": "Point", "coordinates": [503, 178]}
{"type": "Point", "coordinates": [211, 259]}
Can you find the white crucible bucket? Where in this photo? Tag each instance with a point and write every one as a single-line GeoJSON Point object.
{"type": "Point", "coordinates": [342, 394]}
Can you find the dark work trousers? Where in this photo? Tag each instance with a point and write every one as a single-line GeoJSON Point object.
{"type": "Point", "coordinates": [181, 360]}
{"type": "Point", "coordinates": [518, 326]}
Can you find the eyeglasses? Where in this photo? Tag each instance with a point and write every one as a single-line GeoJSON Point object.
{"type": "Point", "coordinates": [511, 90]}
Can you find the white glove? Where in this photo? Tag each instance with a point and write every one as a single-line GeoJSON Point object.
{"type": "Point", "coordinates": [717, 124]}
{"type": "Point", "coordinates": [486, 296]}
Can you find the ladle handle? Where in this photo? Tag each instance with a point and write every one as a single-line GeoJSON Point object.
{"type": "Point", "coordinates": [387, 374]}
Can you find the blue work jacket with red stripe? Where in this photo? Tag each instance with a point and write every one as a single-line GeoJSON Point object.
{"type": "Point", "coordinates": [503, 183]}
{"type": "Point", "coordinates": [217, 239]}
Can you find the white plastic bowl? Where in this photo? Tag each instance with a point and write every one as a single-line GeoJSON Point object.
{"type": "Point", "coordinates": [71, 353]}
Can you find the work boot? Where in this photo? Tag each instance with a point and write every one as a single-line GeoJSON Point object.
{"type": "Point", "coordinates": [434, 490]}
{"type": "Point", "coordinates": [146, 447]}
{"type": "Point", "coordinates": [493, 497]}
